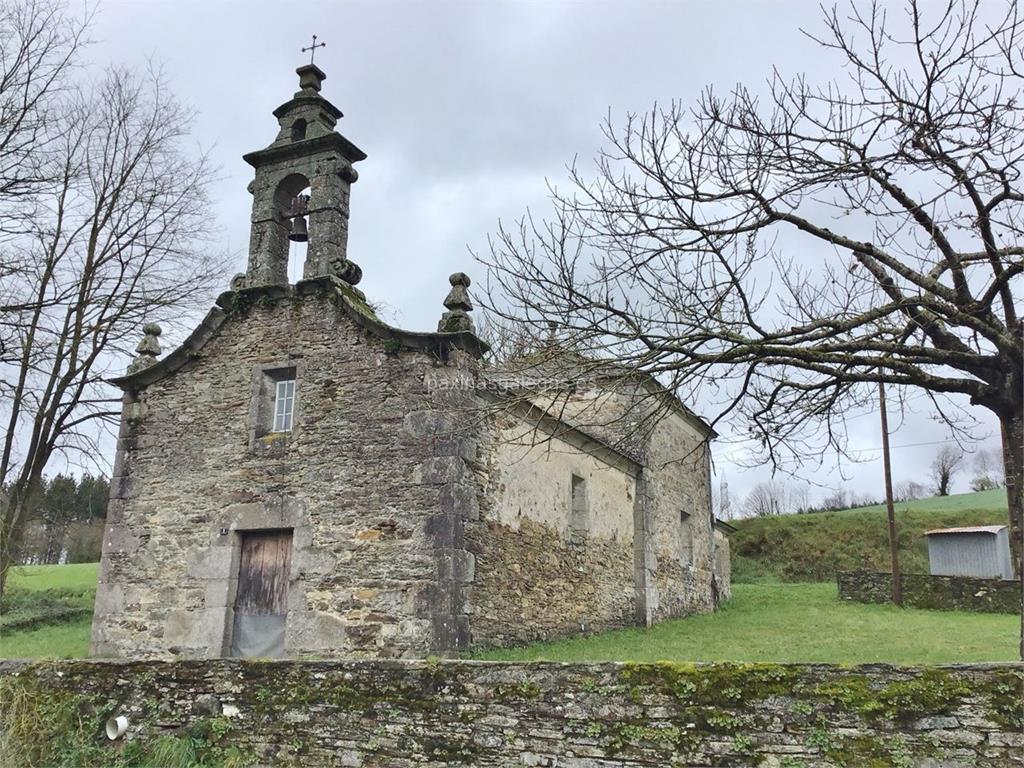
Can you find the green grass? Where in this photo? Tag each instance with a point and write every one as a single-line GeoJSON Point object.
{"type": "Point", "coordinates": [54, 641]}
{"type": "Point", "coordinates": [994, 500]}
{"type": "Point", "coordinates": [77, 576]}
{"type": "Point", "coordinates": [763, 622]}
{"type": "Point", "coordinates": [794, 623]}
{"type": "Point", "coordinates": [813, 547]}
{"type": "Point", "coordinates": [56, 598]}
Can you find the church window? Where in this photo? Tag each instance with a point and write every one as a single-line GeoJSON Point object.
{"type": "Point", "coordinates": [685, 539]}
{"type": "Point", "coordinates": [275, 409]}
{"type": "Point", "coordinates": [299, 130]}
{"type": "Point", "coordinates": [284, 405]}
{"type": "Point", "coordinates": [579, 512]}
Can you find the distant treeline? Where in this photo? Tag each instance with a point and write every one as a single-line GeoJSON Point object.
{"type": "Point", "coordinates": [65, 521]}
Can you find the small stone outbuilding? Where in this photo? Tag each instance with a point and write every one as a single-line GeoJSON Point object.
{"type": "Point", "coordinates": [301, 479]}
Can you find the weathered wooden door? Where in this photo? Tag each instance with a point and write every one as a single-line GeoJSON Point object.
{"type": "Point", "coordinates": [261, 600]}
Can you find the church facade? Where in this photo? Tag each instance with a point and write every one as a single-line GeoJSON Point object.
{"type": "Point", "coordinates": [301, 479]}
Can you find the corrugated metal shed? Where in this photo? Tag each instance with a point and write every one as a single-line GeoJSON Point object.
{"type": "Point", "coordinates": [981, 551]}
{"type": "Point", "coordinates": [968, 529]}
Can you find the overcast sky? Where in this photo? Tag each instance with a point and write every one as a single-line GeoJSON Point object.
{"type": "Point", "coordinates": [466, 110]}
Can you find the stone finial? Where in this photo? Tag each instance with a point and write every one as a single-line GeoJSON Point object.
{"type": "Point", "coordinates": [457, 318]}
{"type": "Point", "coordinates": [345, 270]}
{"type": "Point", "coordinates": [552, 340]}
{"type": "Point", "coordinates": [311, 77]}
{"type": "Point", "coordinates": [149, 348]}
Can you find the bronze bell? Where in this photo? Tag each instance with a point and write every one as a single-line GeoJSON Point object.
{"type": "Point", "coordinates": [299, 233]}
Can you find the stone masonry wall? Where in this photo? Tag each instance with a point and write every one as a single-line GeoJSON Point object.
{"type": "Point", "coordinates": [432, 714]}
{"type": "Point", "coordinates": [680, 551]}
{"type": "Point", "coordinates": [675, 544]}
{"type": "Point", "coordinates": [372, 490]}
{"type": "Point", "coordinates": [536, 578]}
{"type": "Point", "coordinates": [723, 566]}
{"type": "Point", "coordinates": [921, 590]}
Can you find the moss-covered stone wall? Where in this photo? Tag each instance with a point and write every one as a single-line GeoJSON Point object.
{"type": "Point", "coordinates": [436, 713]}
{"type": "Point", "coordinates": [943, 593]}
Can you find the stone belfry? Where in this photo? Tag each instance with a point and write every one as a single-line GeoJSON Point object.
{"type": "Point", "coordinates": [307, 154]}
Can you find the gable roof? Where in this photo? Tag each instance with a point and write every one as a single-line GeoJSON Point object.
{"type": "Point", "coordinates": [569, 368]}
{"type": "Point", "coordinates": [724, 527]}
{"type": "Point", "coordinates": [350, 300]}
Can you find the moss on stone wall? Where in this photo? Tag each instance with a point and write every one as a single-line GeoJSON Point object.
{"type": "Point", "coordinates": [43, 725]}
{"type": "Point", "coordinates": [720, 685]}
{"type": "Point", "coordinates": [940, 593]}
{"type": "Point", "coordinates": [433, 713]}
{"type": "Point", "coordinates": [932, 692]}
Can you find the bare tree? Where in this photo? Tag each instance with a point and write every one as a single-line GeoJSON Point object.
{"type": "Point", "coordinates": [909, 490]}
{"type": "Point", "coordinates": [115, 239]}
{"type": "Point", "coordinates": [900, 187]}
{"type": "Point", "coordinates": [799, 497]}
{"type": "Point", "coordinates": [947, 462]}
{"type": "Point", "coordinates": [775, 497]}
{"type": "Point", "coordinates": [988, 470]}
{"type": "Point", "coordinates": [39, 47]}
{"type": "Point", "coordinates": [863, 499]}
{"type": "Point", "coordinates": [837, 499]}
{"type": "Point", "coordinates": [764, 500]}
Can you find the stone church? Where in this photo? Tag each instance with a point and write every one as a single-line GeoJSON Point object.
{"type": "Point", "coordinates": [301, 479]}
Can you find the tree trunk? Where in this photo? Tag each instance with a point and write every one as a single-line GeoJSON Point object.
{"type": "Point", "coordinates": [12, 519]}
{"type": "Point", "coordinates": [8, 523]}
{"type": "Point", "coordinates": [1013, 459]}
{"type": "Point", "coordinates": [890, 511]}
{"type": "Point", "coordinates": [5, 560]}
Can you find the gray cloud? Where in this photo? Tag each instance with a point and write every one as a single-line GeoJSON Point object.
{"type": "Point", "coordinates": [465, 110]}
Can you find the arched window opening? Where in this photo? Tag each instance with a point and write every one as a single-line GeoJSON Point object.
{"type": "Point", "coordinates": [290, 205]}
{"type": "Point", "coordinates": [299, 130]}
{"type": "Point", "coordinates": [299, 236]}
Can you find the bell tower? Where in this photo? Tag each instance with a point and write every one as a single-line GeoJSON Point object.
{"type": "Point", "coordinates": [307, 153]}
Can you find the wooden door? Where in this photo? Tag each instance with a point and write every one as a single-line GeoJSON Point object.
{"type": "Point", "coordinates": [261, 600]}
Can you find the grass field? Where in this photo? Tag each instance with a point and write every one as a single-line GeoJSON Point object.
{"type": "Point", "coordinates": [813, 547]}
{"type": "Point", "coordinates": [59, 599]}
{"type": "Point", "coordinates": [763, 622]}
{"type": "Point", "coordinates": [36, 577]}
{"type": "Point", "coordinates": [54, 641]}
{"type": "Point", "coordinates": [796, 622]}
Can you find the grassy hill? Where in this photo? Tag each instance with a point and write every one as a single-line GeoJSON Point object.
{"type": "Point", "coordinates": [813, 547]}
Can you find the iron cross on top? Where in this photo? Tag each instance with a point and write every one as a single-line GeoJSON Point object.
{"type": "Point", "coordinates": [312, 48]}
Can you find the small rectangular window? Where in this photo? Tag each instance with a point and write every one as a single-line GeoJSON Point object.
{"type": "Point", "coordinates": [284, 404]}
{"type": "Point", "coordinates": [579, 512]}
{"type": "Point", "coordinates": [685, 541]}
{"type": "Point", "coordinates": [275, 410]}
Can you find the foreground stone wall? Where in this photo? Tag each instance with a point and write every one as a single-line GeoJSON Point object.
{"type": "Point", "coordinates": [398, 714]}
{"type": "Point", "coordinates": [945, 593]}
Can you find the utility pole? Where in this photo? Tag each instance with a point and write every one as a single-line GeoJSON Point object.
{"type": "Point", "coordinates": [894, 556]}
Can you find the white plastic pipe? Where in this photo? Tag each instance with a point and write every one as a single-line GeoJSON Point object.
{"type": "Point", "coordinates": [116, 727]}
